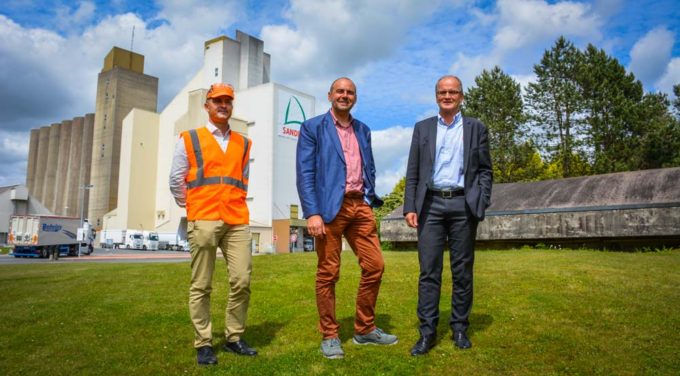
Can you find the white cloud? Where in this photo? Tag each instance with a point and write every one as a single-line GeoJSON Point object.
{"type": "Point", "coordinates": [670, 77]}
{"type": "Point", "coordinates": [526, 22]}
{"type": "Point", "coordinates": [14, 146]}
{"type": "Point", "coordinates": [522, 28]}
{"type": "Point", "coordinates": [390, 152]}
{"type": "Point", "coordinates": [67, 20]}
{"type": "Point", "coordinates": [325, 39]}
{"type": "Point", "coordinates": [650, 55]}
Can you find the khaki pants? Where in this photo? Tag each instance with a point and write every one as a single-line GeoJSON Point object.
{"type": "Point", "coordinates": [234, 241]}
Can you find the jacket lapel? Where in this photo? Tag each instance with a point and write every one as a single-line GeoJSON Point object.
{"type": "Point", "coordinates": [432, 138]}
{"type": "Point", "coordinates": [467, 143]}
{"type": "Point", "coordinates": [333, 135]}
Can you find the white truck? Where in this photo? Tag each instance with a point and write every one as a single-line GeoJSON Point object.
{"type": "Point", "coordinates": [44, 235]}
{"type": "Point", "coordinates": [150, 240]}
{"type": "Point", "coordinates": [172, 241]}
{"type": "Point", "coordinates": [134, 240]}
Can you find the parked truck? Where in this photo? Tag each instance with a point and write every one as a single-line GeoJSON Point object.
{"type": "Point", "coordinates": [150, 240]}
{"type": "Point", "coordinates": [172, 241]}
{"type": "Point", "coordinates": [42, 235]}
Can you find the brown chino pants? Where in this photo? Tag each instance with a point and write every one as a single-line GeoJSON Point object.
{"type": "Point", "coordinates": [357, 222]}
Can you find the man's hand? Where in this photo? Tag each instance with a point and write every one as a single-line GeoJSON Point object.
{"type": "Point", "coordinates": [315, 226]}
{"type": "Point", "coordinates": [411, 220]}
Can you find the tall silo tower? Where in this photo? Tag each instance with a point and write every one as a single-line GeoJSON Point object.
{"type": "Point", "coordinates": [121, 86]}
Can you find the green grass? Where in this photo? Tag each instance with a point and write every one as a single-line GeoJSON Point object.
{"type": "Point", "coordinates": [5, 250]}
{"type": "Point", "coordinates": [535, 312]}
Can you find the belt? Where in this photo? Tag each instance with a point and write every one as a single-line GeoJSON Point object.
{"type": "Point", "coordinates": [446, 193]}
{"type": "Point", "coordinates": [354, 194]}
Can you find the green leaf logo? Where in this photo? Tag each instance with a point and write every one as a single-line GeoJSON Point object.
{"type": "Point", "coordinates": [287, 119]}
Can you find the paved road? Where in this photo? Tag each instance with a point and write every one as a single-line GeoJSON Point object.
{"type": "Point", "coordinates": [107, 255]}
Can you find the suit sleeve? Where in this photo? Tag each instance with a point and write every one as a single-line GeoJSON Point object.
{"type": "Point", "coordinates": [485, 170]}
{"type": "Point", "coordinates": [412, 173]}
{"type": "Point", "coordinates": [305, 167]}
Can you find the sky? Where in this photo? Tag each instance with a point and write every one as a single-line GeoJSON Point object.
{"type": "Point", "coordinates": [394, 50]}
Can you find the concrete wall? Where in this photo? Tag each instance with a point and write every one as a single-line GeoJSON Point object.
{"type": "Point", "coordinates": [636, 207]}
{"type": "Point", "coordinates": [137, 188]}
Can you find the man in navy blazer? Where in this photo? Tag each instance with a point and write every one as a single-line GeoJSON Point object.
{"type": "Point", "coordinates": [448, 188]}
{"type": "Point", "coordinates": [336, 185]}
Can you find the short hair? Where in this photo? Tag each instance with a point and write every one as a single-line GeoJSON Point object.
{"type": "Point", "coordinates": [436, 86]}
{"type": "Point", "coordinates": [342, 78]}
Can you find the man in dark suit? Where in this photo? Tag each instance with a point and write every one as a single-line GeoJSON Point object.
{"type": "Point", "coordinates": [448, 188]}
{"type": "Point", "coordinates": [336, 185]}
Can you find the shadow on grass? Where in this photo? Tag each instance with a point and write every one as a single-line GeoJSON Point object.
{"type": "Point", "coordinates": [479, 322]}
{"type": "Point", "coordinates": [259, 335]}
{"type": "Point", "coordinates": [382, 321]}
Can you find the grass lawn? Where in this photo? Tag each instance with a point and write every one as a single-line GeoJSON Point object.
{"type": "Point", "coordinates": [535, 312]}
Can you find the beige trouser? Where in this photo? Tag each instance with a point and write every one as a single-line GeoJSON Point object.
{"type": "Point", "coordinates": [234, 241]}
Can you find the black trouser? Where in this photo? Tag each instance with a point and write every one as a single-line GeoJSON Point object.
{"type": "Point", "coordinates": [445, 222]}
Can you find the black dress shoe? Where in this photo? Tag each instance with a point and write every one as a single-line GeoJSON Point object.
{"type": "Point", "coordinates": [461, 340]}
{"type": "Point", "coordinates": [206, 356]}
{"type": "Point", "coordinates": [423, 345]}
{"type": "Point", "coordinates": [240, 347]}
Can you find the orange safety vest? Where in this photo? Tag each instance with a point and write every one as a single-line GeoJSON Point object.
{"type": "Point", "coordinates": [217, 181]}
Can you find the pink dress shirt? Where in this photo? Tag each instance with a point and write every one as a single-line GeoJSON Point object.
{"type": "Point", "coordinates": [350, 148]}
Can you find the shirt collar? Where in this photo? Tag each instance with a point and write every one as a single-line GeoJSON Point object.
{"type": "Point", "coordinates": [213, 129]}
{"type": "Point", "coordinates": [456, 119]}
{"type": "Point", "coordinates": [337, 123]}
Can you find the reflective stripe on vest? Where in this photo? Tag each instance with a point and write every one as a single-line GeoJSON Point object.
{"type": "Point", "coordinates": [201, 180]}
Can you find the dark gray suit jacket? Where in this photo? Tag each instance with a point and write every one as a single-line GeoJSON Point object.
{"type": "Point", "coordinates": [476, 159]}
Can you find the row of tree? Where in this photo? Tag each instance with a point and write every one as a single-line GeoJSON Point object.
{"type": "Point", "coordinates": [584, 115]}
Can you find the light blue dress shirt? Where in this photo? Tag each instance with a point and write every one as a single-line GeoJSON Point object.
{"type": "Point", "coordinates": [447, 172]}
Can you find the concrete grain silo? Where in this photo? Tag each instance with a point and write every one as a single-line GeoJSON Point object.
{"type": "Point", "coordinates": [62, 167]}
{"type": "Point", "coordinates": [85, 164]}
{"type": "Point", "coordinates": [51, 169]}
{"type": "Point", "coordinates": [41, 163]}
{"type": "Point", "coordinates": [70, 197]}
{"type": "Point", "coordinates": [32, 160]}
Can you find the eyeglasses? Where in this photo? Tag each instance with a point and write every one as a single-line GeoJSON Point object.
{"type": "Point", "coordinates": [452, 93]}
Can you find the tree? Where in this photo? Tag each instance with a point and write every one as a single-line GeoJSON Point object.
{"type": "Point", "coordinates": [391, 201]}
{"type": "Point", "coordinates": [496, 100]}
{"type": "Point", "coordinates": [555, 104]}
{"type": "Point", "coordinates": [609, 98]}
{"type": "Point", "coordinates": [657, 134]}
{"type": "Point", "coordinates": [676, 101]}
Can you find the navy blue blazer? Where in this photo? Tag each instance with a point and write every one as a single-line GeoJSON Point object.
{"type": "Point", "coordinates": [476, 166]}
{"type": "Point", "coordinates": [321, 169]}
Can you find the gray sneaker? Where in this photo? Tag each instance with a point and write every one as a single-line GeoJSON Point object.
{"type": "Point", "coordinates": [332, 348]}
{"type": "Point", "coordinates": [376, 337]}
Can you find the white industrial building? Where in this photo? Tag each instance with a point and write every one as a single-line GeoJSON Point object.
{"type": "Point", "coordinates": [15, 200]}
{"type": "Point", "coordinates": [268, 113]}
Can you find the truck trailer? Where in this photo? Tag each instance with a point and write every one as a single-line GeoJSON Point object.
{"type": "Point", "coordinates": [42, 235]}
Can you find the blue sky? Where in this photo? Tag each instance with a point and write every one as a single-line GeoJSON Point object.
{"type": "Point", "coordinates": [52, 51]}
